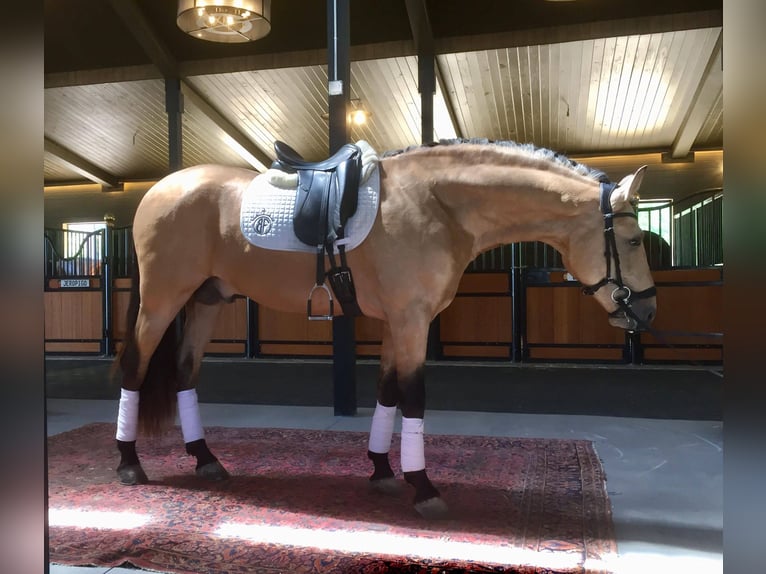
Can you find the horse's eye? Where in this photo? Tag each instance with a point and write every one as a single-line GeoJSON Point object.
{"type": "Point", "coordinates": [636, 241]}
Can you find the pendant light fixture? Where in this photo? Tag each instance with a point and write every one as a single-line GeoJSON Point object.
{"type": "Point", "coordinates": [226, 21]}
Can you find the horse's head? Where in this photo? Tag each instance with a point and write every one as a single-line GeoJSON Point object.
{"type": "Point", "coordinates": [607, 255]}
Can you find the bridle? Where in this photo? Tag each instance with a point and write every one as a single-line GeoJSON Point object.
{"type": "Point", "coordinates": [622, 295]}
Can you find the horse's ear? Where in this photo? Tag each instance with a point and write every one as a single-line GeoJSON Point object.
{"type": "Point", "coordinates": [627, 189]}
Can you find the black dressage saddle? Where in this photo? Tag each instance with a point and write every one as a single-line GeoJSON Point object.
{"type": "Point", "coordinates": [327, 196]}
{"type": "Point", "coordinates": [328, 191]}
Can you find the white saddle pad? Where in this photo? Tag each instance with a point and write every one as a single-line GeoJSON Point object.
{"type": "Point", "coordinates": [266, 214]}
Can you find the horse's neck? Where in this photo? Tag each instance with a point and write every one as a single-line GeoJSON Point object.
{"type": "Point", "coordinates": [499, 205]}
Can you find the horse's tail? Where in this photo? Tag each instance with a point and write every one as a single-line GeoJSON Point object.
{"type": "Point", "coordinates": [157, 398]}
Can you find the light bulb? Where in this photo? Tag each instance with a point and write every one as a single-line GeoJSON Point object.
{"type": "Point", "coordinates": [358, 117]}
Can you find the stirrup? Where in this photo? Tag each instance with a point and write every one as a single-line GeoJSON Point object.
{"type": "Point", "coordinates": [313, 317]}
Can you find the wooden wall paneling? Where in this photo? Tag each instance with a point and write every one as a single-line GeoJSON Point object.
{"type": "Point", "coordinates": [283, 333]}
{"type": "Point", "coordinates": [695, 308]}
{"type": "Point", "coordinates": [477, 324]}
{"type": "Point", "coordinates": [562, 315]}
{"type": "Point", "coordinates": [73, 321]}
{"type": "Point", "coordinates": [230, 331]}
{"type": "Point", "coordinates": [120, 302]}
{"type": "Point", "coordinates": [369, 335]}
{"type": "Point", "coordinates": [72, 347]}
{"type": "Point", "coordinates": [561, 322]}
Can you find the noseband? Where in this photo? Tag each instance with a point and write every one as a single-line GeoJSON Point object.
{"type": "Point", "coordinates": [622, 295]}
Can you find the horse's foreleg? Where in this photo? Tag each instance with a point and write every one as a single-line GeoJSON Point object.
{"type": "Point", "coordinates": [427, 499]}
{"type": "Point", "coordinates": [410, 351]}
{"type": "Point", "coordinates": [383, 419]}
{"type": "Point", "coordinates": [382, 429]}
{"type": "Point", "coordinates": [201, 315]}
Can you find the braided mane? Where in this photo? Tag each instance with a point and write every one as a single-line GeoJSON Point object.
{"type": "Point", "coordinates": [526, 148]}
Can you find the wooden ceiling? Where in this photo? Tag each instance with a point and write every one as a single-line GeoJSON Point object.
{"type": "Point", "coordinates": [587, 78]}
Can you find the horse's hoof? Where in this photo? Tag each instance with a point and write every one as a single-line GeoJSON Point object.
{"type": "Point", "coordinates": [432, 509]}
{"type": "Point", "coordinates": [132, 474]}
{"type": "Point", "coordinates": [212, 471]}
{"type": "Point", "coordinates": [388, 486]}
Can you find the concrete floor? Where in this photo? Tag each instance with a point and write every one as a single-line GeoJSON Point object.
{"type": "Point", "coordinates": [664, 476]}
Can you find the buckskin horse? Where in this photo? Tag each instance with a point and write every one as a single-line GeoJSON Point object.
{"type": "Point", "coordinates": [439, 206]}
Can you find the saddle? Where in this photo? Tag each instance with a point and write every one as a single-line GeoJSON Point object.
{"type": "Point", "coordinates": [327, 196]}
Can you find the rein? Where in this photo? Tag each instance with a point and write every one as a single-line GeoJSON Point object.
{"type": "Point", "coordinates": [622, 295]}
{"type": "Point", "coordinates": [660, 336]}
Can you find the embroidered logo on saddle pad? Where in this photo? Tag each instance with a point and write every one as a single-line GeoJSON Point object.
{"type": "Point", "coordinates": [266, 214]}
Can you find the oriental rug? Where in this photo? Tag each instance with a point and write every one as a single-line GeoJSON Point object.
{"type": "Point", "coordinates": [298, 501]}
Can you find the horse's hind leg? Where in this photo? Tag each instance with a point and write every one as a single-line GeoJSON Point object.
{"type": "Point", "coordinates": [201, 314]}
{"type": "Point", "coordinates": [150, 331]}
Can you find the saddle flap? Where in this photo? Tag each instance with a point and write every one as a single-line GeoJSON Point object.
{"type": "Point", "coordinates": [311, 205]}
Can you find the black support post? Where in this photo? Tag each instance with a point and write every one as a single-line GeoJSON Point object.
{"type": "Point", "coordinates": [423, 36]}
{"type": "Point", "coordinates": [426, 80]}
{"type": "Point", "coordinates": [339, 74]}
{"type": "Point", "coordinates": [174, 107]}
{"type": "Point", "coordinates": [107, 277]}
{"type": "Point", "coordinates": [633, 352]}
{"type": "Point", "coordinates": [519, 308]}
{"type": "Point", "coordinates": [427, 87]}
{"type": "Point", "coordinates": [253, 343]}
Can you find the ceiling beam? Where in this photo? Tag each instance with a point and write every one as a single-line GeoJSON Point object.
{"type": "Point", "coordinates": [192, 95]}
{"type": "Point", "coordinates": [81, 165]}
{"type": "Point", "coordinates": [394, 49]}
{"type": "Point", "coordinates": [417, 12]}
{"type": "Point", "coordinates": [159, 54]}
{"type": "Point", "coordinates": [706, 96]}
{"type": "Point", "coordinates": [146, 37]}
{"type": "Point", "coordinates": [102, 76]}
{"type": "Point", "coordinates": [579, 32]}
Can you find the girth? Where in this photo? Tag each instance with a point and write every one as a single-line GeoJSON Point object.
{"type": "Point", "coordinates": [326, 198]}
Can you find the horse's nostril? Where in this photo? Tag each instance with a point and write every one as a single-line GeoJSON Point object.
{"type": "Point", "coordinates": [650, 316]}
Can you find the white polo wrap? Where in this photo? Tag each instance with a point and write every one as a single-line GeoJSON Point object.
{"type": "Point", "coordinates": [188, 412]}
{"type": "Point", "coordinates": [413, 455]}
{"type": "Point", "coordinates": [127, 416]}
{"type": "Point", "coordinates": [382, 428]}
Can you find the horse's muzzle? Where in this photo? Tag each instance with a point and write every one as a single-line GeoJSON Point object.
{"type": "Point", "coordinates": [636, 317]}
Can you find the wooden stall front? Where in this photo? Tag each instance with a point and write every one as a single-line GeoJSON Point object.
{"type": "Point", "coordinates": [690, 303]}
{"type": "Point", "coordinates": [563, 324]}
{"type": "Point", "coordinates": [74, 315]}
{"type": "Point", "coordinates": [558, 322]}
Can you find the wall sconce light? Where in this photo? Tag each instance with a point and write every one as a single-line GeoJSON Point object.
{"type": "Point", "coordinates": [226, 21]}
{"type": "Point", "coordinates": [357, 116]}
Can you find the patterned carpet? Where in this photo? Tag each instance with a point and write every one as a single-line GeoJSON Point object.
{"type": "Point", "coordinates": [298, 502]}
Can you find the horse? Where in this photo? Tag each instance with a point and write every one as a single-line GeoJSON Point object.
{"type": "Point", "coordinates": [440, 206]}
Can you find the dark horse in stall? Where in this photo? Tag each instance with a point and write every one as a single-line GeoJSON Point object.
{"type": "Point", "coordinates": [440, 206]}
